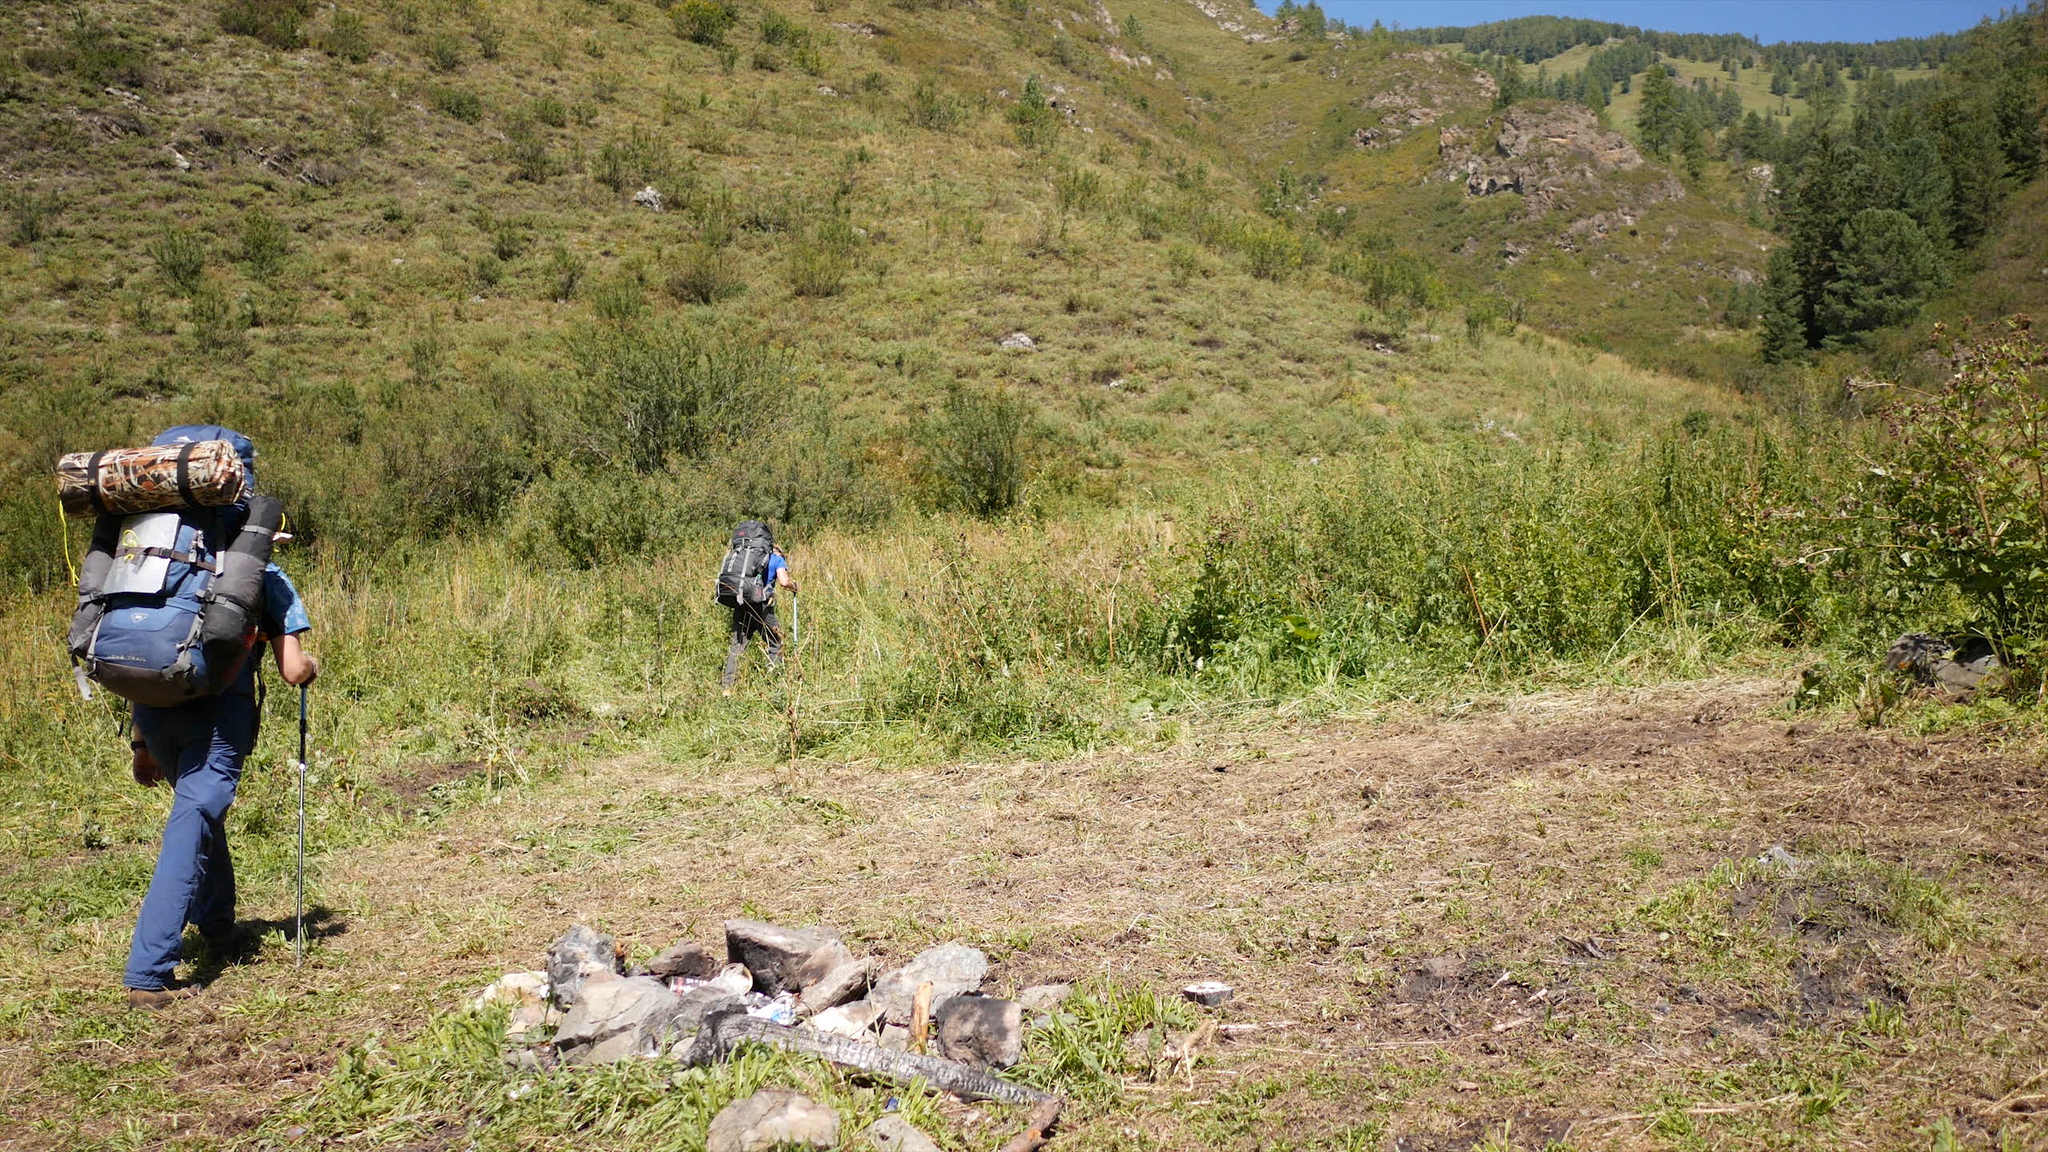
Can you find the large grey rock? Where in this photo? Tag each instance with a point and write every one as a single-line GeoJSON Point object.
{"type": "Point", "coordinates": [617, 1019]}
{"type": "Point", "coordinates": [684, 959]}
{"type": "Point", "coordinates": [776, 955]}
{"type": "Point", "coordinates": [772, 1118]}
{"type": "Point", "coordinates": [892, 1133]}
{"type": "Point", "coordinates": [579, 956]}
{"type": "Point", "coordinates": [951, 970]}
{"type": "Point", "coordinates": [981, 1031]}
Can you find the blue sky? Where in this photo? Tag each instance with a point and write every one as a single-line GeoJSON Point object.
{"type": "Point", "coordinates": [1769, 20]}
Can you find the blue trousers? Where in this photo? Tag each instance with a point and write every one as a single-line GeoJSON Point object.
{"type": "Point", "coordinates": [200, 747]}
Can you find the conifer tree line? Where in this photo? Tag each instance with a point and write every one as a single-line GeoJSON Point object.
{"type": "Point", "coordinates": [1876, 201]}
{"type": "Point", "coordinates": [1534, 38]}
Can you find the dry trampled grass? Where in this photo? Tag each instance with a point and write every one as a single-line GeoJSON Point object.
{"type": "Point", "coordinates": [1516, 924]}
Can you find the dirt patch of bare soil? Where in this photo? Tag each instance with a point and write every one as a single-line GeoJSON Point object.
{"type": "Point", "coordinates": [1532, 921]}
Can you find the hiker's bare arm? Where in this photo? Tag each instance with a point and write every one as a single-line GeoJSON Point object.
{"type": "Point", "coordinates": [294, 663]}
{"type": "Point", "coordinates": [784, 580]}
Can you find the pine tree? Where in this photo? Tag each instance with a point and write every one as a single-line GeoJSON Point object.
{"type": "Point", "coordinates": [1785, 319]}
{"type": "Point", "coordinates": [1885, 270]}
{"type": "Point", "coordinates": [1920, 187]}
{"type": "Point", "coordinates": [1657, 119]}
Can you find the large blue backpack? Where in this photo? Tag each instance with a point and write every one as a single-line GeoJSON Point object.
{"type": "Point", "coordinates": [168, 602]}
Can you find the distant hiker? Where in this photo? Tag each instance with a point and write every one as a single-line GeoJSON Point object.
{"type": "Point", "coordinates": [754, 568]}
{"type": "Point", "coordinates": [176, 598]}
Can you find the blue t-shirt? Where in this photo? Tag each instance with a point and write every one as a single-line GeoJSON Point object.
{"type": "Point", "coordinates": [284, 614]}
{"type": "Point", "coordinates": [775, 566]}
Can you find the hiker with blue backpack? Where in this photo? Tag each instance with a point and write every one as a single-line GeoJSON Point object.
{"type": "Point", "coordinates": [753, 569]}
{"type": "Point", "coordinates": [176, 599]}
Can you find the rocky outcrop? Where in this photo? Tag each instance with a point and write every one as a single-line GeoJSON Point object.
{"type": "Point", "coordinates": [1553, 155]}
{"type": "Point", "coordinates": [1432, 87]}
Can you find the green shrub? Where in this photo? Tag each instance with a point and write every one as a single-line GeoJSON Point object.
{"type": "Point", "coordinates": [490, 37]}
{"type": "Point", "coordinates": [703, 275]}
{"type": "Point", "coordinates": [526, 150]}
{"type": "Point", "coordinates": [818, 268]}
{"type": "Point", "coordinates": [977, 447]}
{"type": "Point", "coordinates": [655, 393]}
{"type": "Point", "coordinates": [1035, 120]}
{"type": "Point", "coordinates": [550, 111]}
{"type": "Point", "coordinates": [180, 258]}
{"type": "Point", "coordinates": [33, 210]}
{"type": "Point", "coordinates": [368, 118]}
{"type": "Point", "coordinates": [508, 240]}
{"type": "Point", "coordinates": [1076, 189]}
{"type": "Point", "coordinates": [1270, 251]}
{"type": "Point", "coordinates": [619, 299]}
{"type": "Point", "coordinates": [215, 327]}
{"type": "Point", "coordinates": [278, 23]}
{"type": "Point", "coordinates": [564, 272]}
{"type": "Point", "coordinates": [444, 52]}
{"type": "Point", "coordinates": [808, 60]}
{"type": "Point", "coordinates": [703, 21]}
{"type": "Point", "coordinates": [265, 243]}
{"type": "Point", "coordinates": [783, 32]}
{"type": "Point", "coordinates": [348, 38]}
{"type": "Point", "coordinates": [716, 216]}
{"type": "Point", "coordinates": [1960, 503]}
{"type": "Point", "coordinates": [461, 103]}
{"type": "Point", "coordinates": [1389, 278]}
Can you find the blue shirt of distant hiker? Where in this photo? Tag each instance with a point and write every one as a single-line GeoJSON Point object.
{"type": "Point", "coordinates": [775, 566]}
{"type": "Point", "coordinates": [200, 747]}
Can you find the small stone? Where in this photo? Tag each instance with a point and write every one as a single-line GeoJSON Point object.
{"type": "Point", "coordinates": [648, 197]}
{"type": "Point", "coordinates": [580, 955]}
{"type": "Point", "coordinates": [1785, 862]}
{"type": "Point", "coordinates": [892, 1133]}
{"type": "Point", "coordinates": [950, 968]}
{"type": "Point", "coordinates": [684, 959]}
{"type": "Point", "coordinates": [855, 1021]}
{"type": "Point", "coordinates": [1468, 1085]}
{"type": "Point", "coordinates": [981, 1031]}
{"type": "Point", "coordinates": [1044, 997]}
{"type": "Point", "coordinates": [617, 1019]}
{"type": "Point", "coordinates": [527, 994]}
{"type": "Point", "coordinates": [1209, 993]}
{"type": "Point", "coordinates": [776, 955]}
{"type": "Point", "coordinates": [895, 1038]}
{"type": "Point", "coordinates": [1018, 340]}
{"type": "Point", "coordinates": [772, 1118]}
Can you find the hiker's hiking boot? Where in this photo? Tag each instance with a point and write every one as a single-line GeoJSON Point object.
{"type": "Point", "coordinates": [152, 999]}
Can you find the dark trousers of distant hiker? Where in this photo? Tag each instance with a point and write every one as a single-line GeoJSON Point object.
{"type": "Point", "coordinates": [200, 748]}
{"type": "Point", "coordinates": [749, 621]}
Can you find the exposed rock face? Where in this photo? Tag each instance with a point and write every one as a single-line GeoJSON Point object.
{"type": "Point", "coordinates": [1445, 86]}
{"type": "Point", "coordinates": [1551, 154]}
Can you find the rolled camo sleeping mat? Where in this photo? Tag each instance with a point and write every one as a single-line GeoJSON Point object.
{"type": "Point", "coordinates": [206, 473]}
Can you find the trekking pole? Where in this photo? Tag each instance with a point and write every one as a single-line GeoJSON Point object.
{"type": "Point", "coordinates": [299, 916]}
